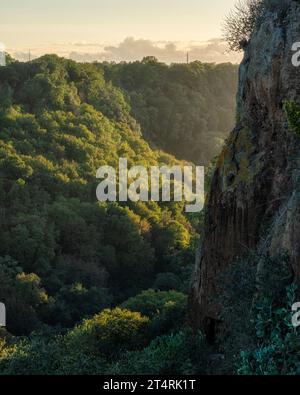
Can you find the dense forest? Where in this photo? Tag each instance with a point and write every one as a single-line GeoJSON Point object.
{"type": "Point", "coordinates": [105, 287]}
{"type": "Point", "coordinates": [102, 288]}
{"type": "Point", "coordinates": [95, 287]}
{"type": "Point", "coordinates": [186, 110]}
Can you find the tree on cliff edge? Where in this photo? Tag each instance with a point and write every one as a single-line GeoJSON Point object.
{"type": "Point", "coordinates": [240, 23]}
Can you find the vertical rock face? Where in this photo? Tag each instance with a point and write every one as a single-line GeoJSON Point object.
{"type": "Point", "coordinates": [254, 200]}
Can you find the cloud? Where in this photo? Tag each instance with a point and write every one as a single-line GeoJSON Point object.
{"type": "Point", "coordinates": [131, 49]}
{"type": "Point", "coordinates": [21, 56]}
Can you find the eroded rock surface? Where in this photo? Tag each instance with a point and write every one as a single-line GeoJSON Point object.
{"type": "Point", "coordinates": [254, 200]}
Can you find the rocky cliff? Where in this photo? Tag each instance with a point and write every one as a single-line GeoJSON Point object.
{"type": "Point", "coordinates": [254, 202]}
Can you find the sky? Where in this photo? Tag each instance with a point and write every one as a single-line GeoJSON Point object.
{"type": "Point", "coordinates": [115, 29]}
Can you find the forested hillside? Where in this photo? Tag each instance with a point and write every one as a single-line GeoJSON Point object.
{"type": "Point", "coordinates": [185, 109]}
{"type": "Point", "coordinates": [60, 121]}
{"type": "Point", "coordinates": [96, 287]}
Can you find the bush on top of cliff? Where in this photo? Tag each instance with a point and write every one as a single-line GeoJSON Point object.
{"type": "Point", "coordinates": [246, 16]}
{"type": "Point", "coordinates": [241, 22]}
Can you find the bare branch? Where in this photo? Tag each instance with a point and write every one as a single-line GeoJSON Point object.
{"type": "Point", "coordinates": [241, 22]}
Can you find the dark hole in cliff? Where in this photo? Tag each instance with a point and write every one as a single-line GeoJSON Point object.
{"type": "Point", "coordinates": [210, 330]}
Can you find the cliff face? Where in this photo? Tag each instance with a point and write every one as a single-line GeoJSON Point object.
{"type": "Point", "coordinates": [254, 201]}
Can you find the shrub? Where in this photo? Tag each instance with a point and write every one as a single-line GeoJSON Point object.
{"type": "Point", "coordinates": [241, 22]}
{"type": "Point", "coordinates": [180, 353]}
{"type": "Point", "coordinates": [257, 336]}
{"type": "Point", "coordinates": [293, 116]}
{"type": "Point", "coordinates": [166, 310]}
{"type": "Point", "coordinates": [277, 342]}
{"type": "Point", "coordinates": [166, 282]}
{"type": "Point", "coordinates": [46, 354]}
{"type": "Point", "coordinates": [110, 332]}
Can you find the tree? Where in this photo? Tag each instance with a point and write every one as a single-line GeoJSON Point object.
{"type": "Point", "coordinates": [166, 310]}
{"type": "Point", "coordinates": [167, 282]}
{"type": "Point", "coordinates": [59, 122]}
{"type": "Point", "coordinates": [110, 332]}
{"type": "Point", "coordinates": [241, 22]}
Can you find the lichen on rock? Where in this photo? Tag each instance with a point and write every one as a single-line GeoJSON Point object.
{"type": "Point", "coordinates": [256, 175]}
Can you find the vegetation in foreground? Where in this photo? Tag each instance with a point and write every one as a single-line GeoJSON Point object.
{"type": "Point", "coordinates": [87, 285]}
{"type": "Point", "coordinates": [101, 288]}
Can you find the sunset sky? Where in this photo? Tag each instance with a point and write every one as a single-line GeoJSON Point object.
{"type": "Point", "coordinates": [85, 27]}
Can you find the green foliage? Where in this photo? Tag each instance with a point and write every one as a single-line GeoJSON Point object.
{"type": "Point", "coordinates": [277, 350]}
{"type": "Point", "coordinates": [66, 260]}
{"type": "Point", "coordinates": [110, 332]}
{"type": "Point", "coordinates": [293, 115]}
{"type": "Point", "coordinates": [167, 282]}
{"type": "Point", "coordinates": [180, 353]}
{"type": "Point", "coordinates": [87, 349]}
{"type": "Point", "coordinates": [186, 110]}
{"type": "Point", "coordinates": [257, 335]}
{"type": "Point", "coordinates": [60, 122]}
{"type": "Point", "coordinates": [47, 354]}
{"type": "Point", "coordinates": [23, 295]}
{"type": "Point", "coordinates": [79, 353]}
{"type": "Point", "coordinates": [166, 310]}
{"type": "Point", "coordinates": [75, 301]}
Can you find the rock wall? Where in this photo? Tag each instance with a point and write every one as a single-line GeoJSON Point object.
{"type": "Point", "coordinates": [254, 202]}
